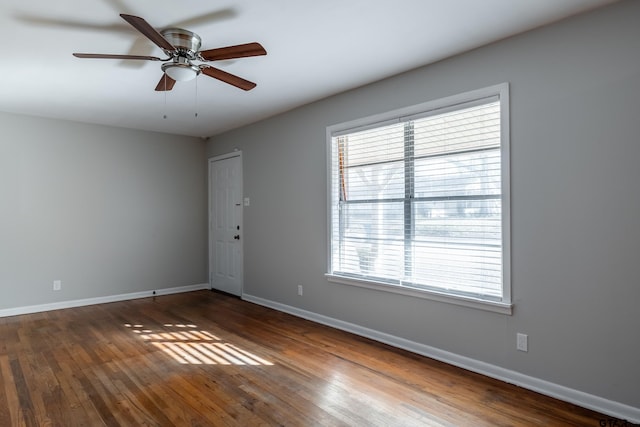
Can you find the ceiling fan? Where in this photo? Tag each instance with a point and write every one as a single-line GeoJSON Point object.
{"type": "Point", "coordinates": [182, 47]}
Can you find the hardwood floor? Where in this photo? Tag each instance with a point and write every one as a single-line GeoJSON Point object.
{"type": "Point", "coordinates": [208, 359]}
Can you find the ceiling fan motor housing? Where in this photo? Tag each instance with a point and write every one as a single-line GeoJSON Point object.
{"type": "Point", "coordinates": [187, 44]}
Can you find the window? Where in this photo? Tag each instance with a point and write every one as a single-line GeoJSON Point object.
{"type": "Point", "coordinates": [419, 200]}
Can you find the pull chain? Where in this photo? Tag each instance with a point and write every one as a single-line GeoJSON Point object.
{"type": "Point", "coordinates": [165, 96]}
{"type": "Point", "coordinates": [196, 99]}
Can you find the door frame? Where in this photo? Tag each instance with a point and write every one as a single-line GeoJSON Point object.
{"type": "Point", "coordinates": [210, 162]}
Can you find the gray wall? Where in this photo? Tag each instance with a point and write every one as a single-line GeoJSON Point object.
{"type": "Point", "coordinates": [107, 211]}
{"type": "Point", "coordinates": [575, 104]}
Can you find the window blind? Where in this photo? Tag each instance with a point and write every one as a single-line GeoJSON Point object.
{"type": "Point", "coordinates": [417, 201]}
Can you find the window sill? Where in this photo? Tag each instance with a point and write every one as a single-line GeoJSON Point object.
{"type": "Point", "coordinates": [494, 306]}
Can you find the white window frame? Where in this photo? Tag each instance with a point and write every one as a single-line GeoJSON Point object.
{"type": "Point", "coordinates": [504, 305]}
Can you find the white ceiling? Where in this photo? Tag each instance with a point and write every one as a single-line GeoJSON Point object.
{"type": "Point", "coordinates": [315, 49]}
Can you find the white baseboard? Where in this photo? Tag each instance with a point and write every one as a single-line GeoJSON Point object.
{"type": "Point", "coordinates": [99, 300]}
{"type": "Point", "coordinates": [586, 400]}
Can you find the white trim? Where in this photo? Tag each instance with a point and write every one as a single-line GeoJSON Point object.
{"type": "Point", "coordinates": [434, 295]}
{"type": "Point", "coordinates": [226, 156]}
{"type": "Point", "coordinates": [99, 300]}
{"type": "Point", "coordinates": [505, 164]}
{"type": "Point", "coordinates": [329, 201]}
{"type": "Point", "coordinates": [577, 397]}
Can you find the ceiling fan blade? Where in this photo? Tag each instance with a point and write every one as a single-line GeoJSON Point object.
{"type": "Point", "coordinates": [165, 83]}
{"type": "Point", "coordinates": [232, 79]}
{"type": "Point", "coordinates": [231, 52]}
{"type": "Point", "coordinates": [108, 56]}
{"type": "Point", "coordinates": [148, 31]}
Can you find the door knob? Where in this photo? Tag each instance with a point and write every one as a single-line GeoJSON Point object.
{"type": "Point", "coordinates": [237, 237]}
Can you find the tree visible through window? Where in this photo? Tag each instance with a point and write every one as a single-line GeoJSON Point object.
{"type": "Point", "coordinates": [417, 202]}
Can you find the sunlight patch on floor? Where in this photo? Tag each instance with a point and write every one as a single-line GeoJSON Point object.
{"type": "Point", "coordinates": [188, 345]}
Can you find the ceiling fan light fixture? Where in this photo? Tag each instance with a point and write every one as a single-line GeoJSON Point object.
{"type": "Point", "coordinates": [180, 71]}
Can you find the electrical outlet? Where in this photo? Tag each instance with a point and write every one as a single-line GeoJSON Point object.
{"type": "Point", "coordinates": [522, 342]}
{"type": "Point", "coordinates": [57, 285]}
{"type": "Point", "coordinates": [300, 290]}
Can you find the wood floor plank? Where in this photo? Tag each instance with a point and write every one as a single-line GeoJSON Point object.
{"type": "Point", "coordinates": [27, 411]}
{"type": "Point", "coordinates": [9, 402]}
{"type": "Point", "coordinates": [208, 359]}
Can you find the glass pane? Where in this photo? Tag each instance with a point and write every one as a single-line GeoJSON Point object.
{"type": "Point", "coordinates": [466, 269]}
{"type": "Point", "coordinates": [457, 245]}
{"type": "Point", "coordinates": [469, 221]}
{"type": "Point", "coordinates": [377, 145]}
{"type": "Point", "coordinates": [372, 241]}
{"type": "Point", "coordinates": [464, 174]}
{"type": "Point", "coordinates": [380, 181]}
{"type": "Point", "coordinates": [461, 130]}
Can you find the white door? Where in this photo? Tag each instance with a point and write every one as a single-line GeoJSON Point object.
{"type": "Point", "coordinates": [225, 223]}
